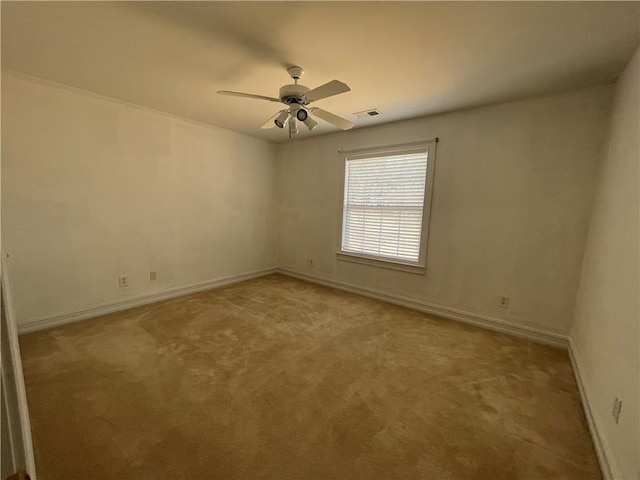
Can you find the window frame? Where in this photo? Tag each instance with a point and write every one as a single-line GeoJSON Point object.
{"type": "Point", "coordinates": [420, 266]}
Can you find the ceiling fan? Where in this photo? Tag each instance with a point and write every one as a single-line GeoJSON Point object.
{"type": "Point", "coordinates": [297, 98]}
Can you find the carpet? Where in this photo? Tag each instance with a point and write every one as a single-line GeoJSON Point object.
{"type": "Point", "coordinates": [276, 378]}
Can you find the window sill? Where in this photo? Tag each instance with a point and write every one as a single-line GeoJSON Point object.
{"type": "Point", "coordinates": [383, 263]}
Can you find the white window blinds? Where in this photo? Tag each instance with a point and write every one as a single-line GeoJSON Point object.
{"type": "Point", "coordinates": [384, 204]}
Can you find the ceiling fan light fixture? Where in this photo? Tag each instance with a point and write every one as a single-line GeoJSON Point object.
{"type": "Point", "coordinates": [310, 123]}
{"type": "Point", "coordinates": [282, 119]}
{"type": "Point", "coordinates": [293, 125]}
{"type": "Point", "coordinates": [302, 115]}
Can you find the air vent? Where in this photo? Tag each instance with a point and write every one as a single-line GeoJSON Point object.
{"type": "Point", "coordinates": [368, 113]}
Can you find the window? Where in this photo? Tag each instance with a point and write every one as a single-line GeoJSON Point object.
{"type": "Point", "coordinates": [386, 206]}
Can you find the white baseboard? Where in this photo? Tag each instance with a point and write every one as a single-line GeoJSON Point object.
{"type": "Point", "coordinates": [124, 304]}
{"type": "Point", "coordinates": [522, 331]}
{"type": "Point", "coordinates": [599, 445]}
{"type": "Point", "coordinates": [533, 334]}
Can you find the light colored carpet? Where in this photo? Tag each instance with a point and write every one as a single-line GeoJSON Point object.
{"type": "Point", "coordinates": [280, 379]}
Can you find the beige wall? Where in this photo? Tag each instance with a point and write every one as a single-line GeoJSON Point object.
{"type": "Point", "coordinates": [93, 189]}
{"type": "Point", "coordinates": [606, 330]}
{"type": "Point", "coordinates": [512, 191]}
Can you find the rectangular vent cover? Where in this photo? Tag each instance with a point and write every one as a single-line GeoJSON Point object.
{"type": "Point", "coordinates": [368, 113]}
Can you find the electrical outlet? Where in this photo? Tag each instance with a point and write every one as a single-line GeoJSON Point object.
{"type": "Point", "coordinates": [617, 408]}
{"type": "Point", "coordinates": [310, 262]}
{"type": "Point", "coordinates": [153, 276]}
{"type": "Point", "coordinates": [504, 302]}
{"type": "Point", "coordinates": [123, 281]}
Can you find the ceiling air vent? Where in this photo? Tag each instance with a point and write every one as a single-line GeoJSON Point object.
{"type": "Point", "coordinates": [368, 113]}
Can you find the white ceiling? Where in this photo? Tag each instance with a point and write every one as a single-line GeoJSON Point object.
{"type": "Point", "coordinates": [406, 59]}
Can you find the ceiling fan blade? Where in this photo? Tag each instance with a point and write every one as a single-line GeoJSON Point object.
{"type": "Point", "coordinates": [248, 95]}
{"type": "Point", "coordinates": [331, 118]}
{"type": "Point", "coordinates": [270, 123]}
{"type": "Point", "coordinates": [334, 87]}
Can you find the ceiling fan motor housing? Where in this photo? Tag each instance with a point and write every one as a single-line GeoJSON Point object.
{"type": "Point", "coordinates": [291, 94]}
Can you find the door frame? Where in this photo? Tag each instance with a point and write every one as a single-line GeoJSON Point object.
{"type": "Point", "coordinates": [12, 386]}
